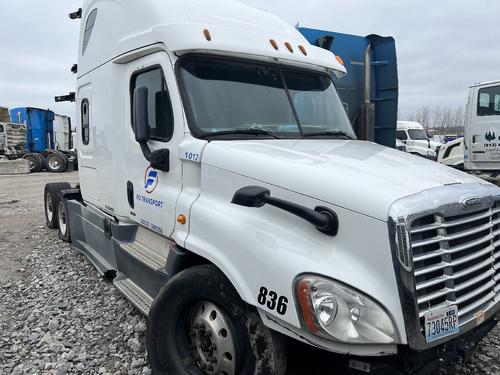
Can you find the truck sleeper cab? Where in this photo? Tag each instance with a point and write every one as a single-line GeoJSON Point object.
{"type": "Point", "coordinates": [224, 191]}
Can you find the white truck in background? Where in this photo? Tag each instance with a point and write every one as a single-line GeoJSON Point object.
{"type": "Point", "coordinates": [223, 190]}
{"type": "Point", "coordinates": [417, 142]}
{"type": "Point", "coordinates": [478, 152]}
{"type": "Point", "coordinates": [12, 136]}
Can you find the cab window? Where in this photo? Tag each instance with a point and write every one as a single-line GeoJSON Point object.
{"type": "Point", "coordinates": [401, 135]}
{"type": "Point", "coordinates": [489, 101]}
{"type": "Point", "coordinates": [1, 128]}
{"type": "Point", "coordinates": [160, 114]}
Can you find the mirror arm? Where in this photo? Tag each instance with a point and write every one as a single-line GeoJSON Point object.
{"type": "Point", "coordinates": [324, 219]}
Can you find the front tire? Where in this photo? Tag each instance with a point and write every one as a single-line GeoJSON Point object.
{"type": "Point", "coordinates": [199, 325]}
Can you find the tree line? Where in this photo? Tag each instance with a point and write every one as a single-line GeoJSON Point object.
{"type": "Point", "coordinates": [439, 119]}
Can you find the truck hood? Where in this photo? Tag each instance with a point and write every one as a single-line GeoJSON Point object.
{"type": "Point", "coordinates": [357, 175]}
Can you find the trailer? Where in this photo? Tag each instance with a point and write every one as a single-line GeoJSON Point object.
{"type": "Point", "coordinates": [224, 191]}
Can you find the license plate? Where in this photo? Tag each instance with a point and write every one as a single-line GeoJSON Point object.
{"type": "Point", "coordinates": [441, 323]}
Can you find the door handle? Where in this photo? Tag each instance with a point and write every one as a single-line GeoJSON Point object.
{"type": "Point", "coordinates": [130, 194]}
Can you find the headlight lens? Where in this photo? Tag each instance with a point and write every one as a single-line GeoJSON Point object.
{"type": "Point", "coordinates": [333, 310]}
{"type": "Point", "coordinates": [431, 153]}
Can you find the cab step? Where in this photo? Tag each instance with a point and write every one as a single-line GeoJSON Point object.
{"type": "Point", "coordinates": [138, 297]}
{"type": "Point", "coordinates": [145, 255]}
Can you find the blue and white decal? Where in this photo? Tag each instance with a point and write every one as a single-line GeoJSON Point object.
{"type": "Point", "coordinates": [150, 180]}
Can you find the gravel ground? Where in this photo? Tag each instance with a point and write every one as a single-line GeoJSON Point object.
{"type": "Point", "coordinates": [57, 316]}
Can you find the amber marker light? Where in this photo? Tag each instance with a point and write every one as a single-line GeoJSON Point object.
{"type": "Point", "coordinates": [181, 219]}
{"type": "Point", "coordinates": [303, 50]}
{"type": "Point", "coordinates": [339, 59]}
{"type": "Point", "coordinates": [207, 34]}
{"type": "Point", "coordinates": [274, 44]}
{"type": "Point", "coordinates": [305, 306]}
{"type": "Point", "coordinates": [289, 46]}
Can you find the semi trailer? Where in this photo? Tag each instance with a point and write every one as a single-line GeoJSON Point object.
{"type": "Point", "coordinates": [224, 191]}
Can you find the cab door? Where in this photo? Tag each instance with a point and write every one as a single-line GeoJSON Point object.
{"type": "Point", "coordinates": [152, 192]}
{"type": "Point", "coordinates": [485, 126]}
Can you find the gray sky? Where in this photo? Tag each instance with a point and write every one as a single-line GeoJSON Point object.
{"type": "Point", "coordinates": [443, 45]}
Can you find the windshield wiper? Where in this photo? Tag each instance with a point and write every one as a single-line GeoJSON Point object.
{"type": "Point", "coordinates": [336, 133]}
{"type": "Point", "coordinates": [253, 131]}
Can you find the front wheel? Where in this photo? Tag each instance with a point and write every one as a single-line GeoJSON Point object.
{"type": "Point", "coordinates": [199, 325]}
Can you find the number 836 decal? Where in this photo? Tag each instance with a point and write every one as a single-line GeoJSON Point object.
{"type": "Point", "coordinates": [272, 301]}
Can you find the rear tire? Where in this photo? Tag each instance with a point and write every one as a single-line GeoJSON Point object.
{"type": "Point", "coordinates": [36, 162]}
{"type": "Point", "coordinates": [56, 163]}
{"type": "Point", "coordinates": [63, 222]}
{"type": "Point", "coordinates": [199, 325]}
{"type": "Point", "coordinates": [51, 202]}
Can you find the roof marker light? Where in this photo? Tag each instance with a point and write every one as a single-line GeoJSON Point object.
{"type": "Point", "coordinates": [339, 59]}
{"type": "Point", "coordinates": [289, 46]}
{"type": "Point", "coordinates": [274, 44]}
{"type": "Point", "coordinates": [207, 34]}
{"type": "Point", "coordinates": [303, 50]}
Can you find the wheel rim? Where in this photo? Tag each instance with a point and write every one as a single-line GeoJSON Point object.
{"type": "Point", "coordinates": [54, 163]}
{"type": "Point", "coordinates": [212, 340]}
{"type": "Point", "coordinates": [62, 217]}
{"type": "Point", "coordinates": [48, 207]}
{"type": "Point", "coordinates": [32, 162]}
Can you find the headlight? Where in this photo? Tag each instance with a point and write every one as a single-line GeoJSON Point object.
{"type": "Point", "coordinates": [431, 153]}
{"type": "Point", "coordinates": [333, 310]}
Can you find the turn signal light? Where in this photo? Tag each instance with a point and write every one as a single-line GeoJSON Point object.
{"type": "Point", "coordinates": [181, 219]}
{"type": "Point", "coordinates": [305, 306]}
{"type": "Point", "coordinates": [339, 59]}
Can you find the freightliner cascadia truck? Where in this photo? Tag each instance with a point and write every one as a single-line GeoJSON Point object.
{"type": "Point", "coordinates": [224, 191]}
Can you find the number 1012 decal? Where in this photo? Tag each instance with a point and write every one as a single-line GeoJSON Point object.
{"type": "Point", "coordinates": [192, 156]}
{"type": "Point", "coordinates": [272, 301]}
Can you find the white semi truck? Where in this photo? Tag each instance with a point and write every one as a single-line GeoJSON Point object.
{"type": "Point", "coordinates": [224, 191]}
{"type": "Point", "coordinates": [479, 150]}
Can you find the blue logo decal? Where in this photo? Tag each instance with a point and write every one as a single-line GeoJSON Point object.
{"type": "Point", "coordinates": [150, 180]}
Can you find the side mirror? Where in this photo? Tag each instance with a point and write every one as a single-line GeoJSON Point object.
{"type": "Point", "coordinates": [140, 114]}
{"type": "Point", "coordinates": [251, 196]}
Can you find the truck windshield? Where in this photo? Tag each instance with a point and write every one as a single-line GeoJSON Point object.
{"type": "Point", "coordinates": [238, 99]}
{"type": "Point", "coordinates": [418, 134]}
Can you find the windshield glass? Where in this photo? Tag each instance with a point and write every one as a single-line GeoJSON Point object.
{"type": "Point", "coordinates": [228, 97]}
{"type": "Point", "coordinates": [417, 134]}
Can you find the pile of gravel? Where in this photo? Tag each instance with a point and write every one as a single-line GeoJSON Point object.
{"type": "Point", "coordinates": [60, 317]}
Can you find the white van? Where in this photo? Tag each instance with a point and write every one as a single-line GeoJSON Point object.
{"type": "Point", "coordinates": [416, 140]}
{"type": "Point", "coordinates": [223, 190]}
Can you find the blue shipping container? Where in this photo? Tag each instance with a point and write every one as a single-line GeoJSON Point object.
{"type": "Point", "coordinates": [39, 127]}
